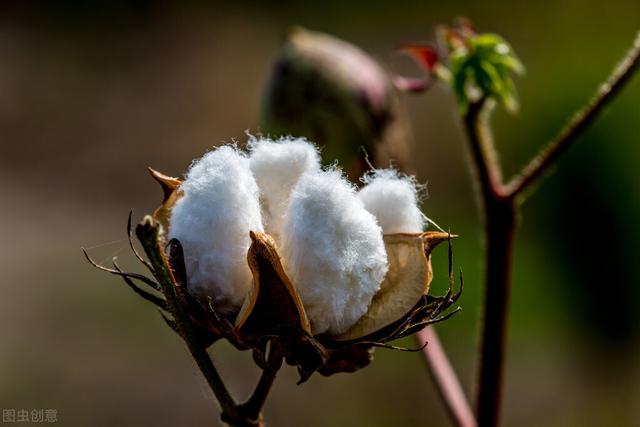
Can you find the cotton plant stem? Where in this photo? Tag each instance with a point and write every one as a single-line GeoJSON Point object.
{"type": "Point", "coordinates": [500, 206]}
{"type": "Point", "coordinates": [253, 407]}
{"type": "Point", "coordinates": [445, 378]}
{"type": "Point", "coordinates": [579, 122]}
{"type": "Point", "coordinates": [499, 222]}
{"type": "Point", "coordinates": [147, 233]}
{"type": "Point", "coordinates": [500, 227]}
{"type": "Point", "coordinates": [483, 153]}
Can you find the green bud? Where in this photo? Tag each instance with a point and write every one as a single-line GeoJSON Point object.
{"type": "Point", "coordinates": [481, 67]}
{"type": "Point", "coordinates": [336, 95]}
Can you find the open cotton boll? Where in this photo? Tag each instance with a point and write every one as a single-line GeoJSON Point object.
{"type": "Point", "coordinates": [277, 166]}
{"type": "Point", "coordinates": [212, 220]}
{"type": "Point", "coordinates": [393, 200]}
{"type": "Point", "coordinates": [334, 251]}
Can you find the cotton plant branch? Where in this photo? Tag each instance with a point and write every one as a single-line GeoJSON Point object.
{"type": "Point", "coordinates": [248, 414]}
{"type": "Point", "coordinates": [253, 407]}
{"type": "Point", "coordinates": [578, 123]}
{"type": "Point", "coordinates": [500, 206]}
{"type": "Point", "coordinates": [445, 379]}
{"type": "Point", "coordinates": [499, 213]}
{"type": "Point", "coordinates": [147, 234]}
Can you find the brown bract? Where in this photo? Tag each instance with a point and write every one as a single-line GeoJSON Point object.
{"type": "Point", "coordinates": [407, 280]}
{"type": "Point", "coordinates": [273, 302]}
{"type": "Point", "coordinates": [171, 194]}
{"type": "Point", "coordinates": [273, 308]}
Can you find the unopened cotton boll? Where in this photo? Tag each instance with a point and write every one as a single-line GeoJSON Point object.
{"type": "Point", "coordinates": [212, 220]}
{"type": "Point", "coordinates": [393, 200]}
{"type": "Point", "coordinates": [334, 251]}
{"type": "Point", "coordinates": [277, 166]}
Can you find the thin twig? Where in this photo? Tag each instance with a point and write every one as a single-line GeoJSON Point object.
{"type": "Point", "coordinates": [133, 246]}
{"type": "Point", "coordinates": [154, 299]}
{"type": "Point", "coordinates": [445, 378]}
{"type": "Point", "coordinates": [136, 276]}
{"type": "Point", "coordinates": [580, 121]}
{"type": "Point", "coordinates": [253, 407]}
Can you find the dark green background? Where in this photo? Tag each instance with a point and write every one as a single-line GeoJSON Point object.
{"type": "Point", "coordinates": [93, 92]}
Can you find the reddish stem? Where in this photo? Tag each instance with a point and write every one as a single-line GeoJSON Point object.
{"type": "Point", "coordinates": [500, 210]}
{"type": "Point", "coordinates": [445, 378]}
{"type": "Point", "coordinates": [500, 227]}
{"type": "Point", "coordinates": [499, 222]}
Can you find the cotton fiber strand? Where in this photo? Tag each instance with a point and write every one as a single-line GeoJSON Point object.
{"type": "Point", "coordinates": [212, 220]}
{"type": "Point", "coordinates": [393, 199]}
{"type": "Point", "coordinates": [277, 166]}
{"type": "Point", "coordinates": [334, 251]}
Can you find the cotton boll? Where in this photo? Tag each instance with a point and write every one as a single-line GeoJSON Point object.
{"type": "Point", "coordinates": [334, 251]}
{"type": "Point", "coordinates": [212, 220]}
{"type": "Point", "coordinates": [277, 166]}
{"type": "Point", "coordinates": [393, 200]}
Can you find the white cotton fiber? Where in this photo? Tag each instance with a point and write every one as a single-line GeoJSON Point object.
{"type": "Point", "coordinates": [334, 251]}
{"type": "Point", "coordinates": [393, 199]}
{"type": "Point", "coordinates": [212, 220]}
{"type": "Point", "coordinates": [277, 166]}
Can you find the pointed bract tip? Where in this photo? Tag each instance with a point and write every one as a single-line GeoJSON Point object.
{"type": "Point", "coordinates": [147, 221]}
{"type": "Point", "coordinates": [434, 238]}
{"type": "Point", "coordinates": [168, 183]}
{"type": "Point", "coordinates": [260, 238]}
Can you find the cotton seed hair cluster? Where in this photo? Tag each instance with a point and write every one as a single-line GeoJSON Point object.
{"type": "Point", "coordinates": [334, 250]}
{"type": "Point", "coordinates": [330, 235]}
{"type": "Point", "coordinates": [393, 200]}
{"type": "Point", "coordinates": [277, 166]}
{"type": "Point", "coordinates": [212, 221]}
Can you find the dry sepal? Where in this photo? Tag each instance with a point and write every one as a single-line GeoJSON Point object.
{"type": "Point", "coordinates": [273, 308]}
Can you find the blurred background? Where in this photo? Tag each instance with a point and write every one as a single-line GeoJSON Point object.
{"type": "Point", "coordinates": [93, 92]}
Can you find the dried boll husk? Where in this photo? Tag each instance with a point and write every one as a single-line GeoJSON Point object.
{"type": "Point", "coordinates": [273, 301]}
{"type": "Point", "coordinates": [273, 309]}
{"type": "Point", "coordinates": [406, 282]}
